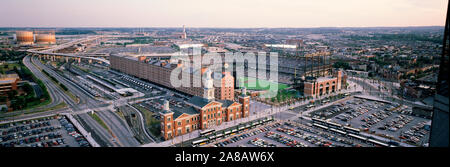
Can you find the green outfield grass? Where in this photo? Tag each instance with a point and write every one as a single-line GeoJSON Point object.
{"type": "Point", "coordinates": [254, 84]}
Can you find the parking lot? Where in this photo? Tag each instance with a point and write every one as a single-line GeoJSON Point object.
{"type": "Point", "coordinates": [389, 120]}
{"type": "Point", "coordinates": [286, 134]}
{"type": "Point", "coordinates": [52, 131]}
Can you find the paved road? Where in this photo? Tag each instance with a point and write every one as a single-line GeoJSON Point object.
{"type": "Point", "coordinates": [85, 101]}
{"type": "Point", "coordinates": [55, 95]}
{"type": "Point", "coordinates": [98, 130]}
{"type": "Point", "coordinates": [372, 89]}
{"type": "Point", "coordinates": [119, 128]}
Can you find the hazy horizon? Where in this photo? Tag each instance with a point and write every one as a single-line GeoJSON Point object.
{"type": "Point", "coordinates": [222, 14]}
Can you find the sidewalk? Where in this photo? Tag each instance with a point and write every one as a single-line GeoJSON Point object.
{"type": "Point", "coordinates": [80, 128]}
{"type": "Point", "coordinates": [261, 114]}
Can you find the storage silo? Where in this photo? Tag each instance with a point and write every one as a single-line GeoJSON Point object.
{"type": "Point", "coordinates": [24, 37]}
{"type": "Point", "coordinates": [47, 38]}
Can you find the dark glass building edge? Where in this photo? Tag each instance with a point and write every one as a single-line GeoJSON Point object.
{"type": "Point", "coordinates": [440, 125]}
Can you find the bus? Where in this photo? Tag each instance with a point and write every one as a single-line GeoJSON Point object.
{"type": "Point", "coordinates": [219, 136]}
{"type": "Point", "coordinates": [338, 131]}
{"type": "Point", "coordinates": [198, 142]}
{"type": "Point", "coordinates": [351, 130]}
{"type": "Point", "coordinates": [207, 132]}
{"type": "Point", "coordinates": [227, 133]}
{"type": "Point", "coordinates": [319, 121]}
{"type": "Point", "coordinates": [334, 125]}
{"type": "Point", "coordinates": [358, 137]}
{"type": "Point", "coordinates": [377, 143]}
{"type": "Point", "coordinates": [320, 126]}
{"type": "Point", "coordinates": [241, 128]}
{"type": "Point", "coordinates": [211, 138]}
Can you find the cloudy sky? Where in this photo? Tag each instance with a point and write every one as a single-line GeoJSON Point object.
{"type": "Point", "coordinates": [223, 13]}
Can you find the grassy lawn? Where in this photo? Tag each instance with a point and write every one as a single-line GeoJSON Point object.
{"type": "Point", "coordinates": [8, 67]}
{"type": "Point", "coordinates": [151, 123]}
{"type": "Point", "coordinates": [99, 120]}
{"type": "Point", "coordinates": [73, 97]}
{"type": "Point", "coordinates": [28, 101]}
{"type": "Point", "coordinates": [81, 68]}
{"type": "Point", "coordinates": [47, 101]}
{"type": "Point", "coordinates": [256, 84]}
{"type": "Point", "coordinates": [59, 106]}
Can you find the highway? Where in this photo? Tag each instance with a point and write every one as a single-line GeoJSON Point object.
{"type": "Point", "coordinates": [117, 134]}
{"type": "Point", "coordinates": [55, 95]}
{"type": "Point", "coordinates": [106, 139]}
{"type": "Point", "coordinates": [87, 101]}
{"type": "Point", "coordinates": [58, 95]}
{"type": "Point", "coordinates": [119, 127]}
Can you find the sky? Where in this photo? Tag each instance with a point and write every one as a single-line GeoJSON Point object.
{"type": "Point", "coordinates": [222, 13]}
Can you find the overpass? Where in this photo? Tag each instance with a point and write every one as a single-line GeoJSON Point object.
{"type": "Point", "coordinates": [48, 53]}
{"type": "Point", "coordinates": [68, 55]}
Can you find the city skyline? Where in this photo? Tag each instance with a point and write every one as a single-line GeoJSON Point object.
{"type": "Point", "coordinates": [200, 13]}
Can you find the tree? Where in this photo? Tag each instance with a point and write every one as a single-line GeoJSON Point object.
{"type": "Point", "coordinates": [12, 94]}
{"type": "Point", "coordinates": [341, 64]}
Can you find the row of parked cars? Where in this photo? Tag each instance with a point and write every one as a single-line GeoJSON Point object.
{"type": "Point", "coordinates": [284, 140]}
{"type": "Point", "coordinates": [51, 143]}
{"type": "Point", "coordinates": [80, 139]}
{"type": "Point", "coordinates": [140, 84]}
{"type": "Point", "coordinates": [260, 143]}
{"type": "Point", "coordinates": [240, 137]}
{"type": "Point", "coordinates": [333, 110]}
{"type": "Point", "coordinates": [397, 123]}
{"type": "Point", "coordinates": [246, 135]}
{"type": "Point", "coordinates": [313, 139]}
{"type": "Point", "coordinates": [45, 140]}
{"type": "Point", "coordinates": [26, 133]}
{"type": "Point", "coordinates": [374, 118]}
{"type": "Point", "coordinates": [25, 122]}
{"type": "Point", "coordinates": [416, 132]}
{"type": "Point", "coordinates": [324, 135]}
{"type": "Point", "coordinates": [354, 110]}
{"type": "Point", "coordinates": [14, 132]}
{"type": "Point", "coordinates": [21, 128]}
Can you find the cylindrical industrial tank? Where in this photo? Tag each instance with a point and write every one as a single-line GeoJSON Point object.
{"type": "Point", "coordinates": [47, 38]}
{"type": "Point", "coordinates": [24, 37]}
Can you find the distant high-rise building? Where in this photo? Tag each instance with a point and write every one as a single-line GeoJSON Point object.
{"type": "Point", "coordinates": [439, 125]}
{"type": "Point", "coordinates": [184, 36]}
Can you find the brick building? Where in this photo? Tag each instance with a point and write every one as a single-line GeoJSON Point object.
{"type": "Point", "coordinates": [157, 70]}
{"type": "Point", "coordinates": [325, 85]}
{"type": "Point", "coordinates": [203, 113]}
{"type": "Point", "coordinates": [8, 82]}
